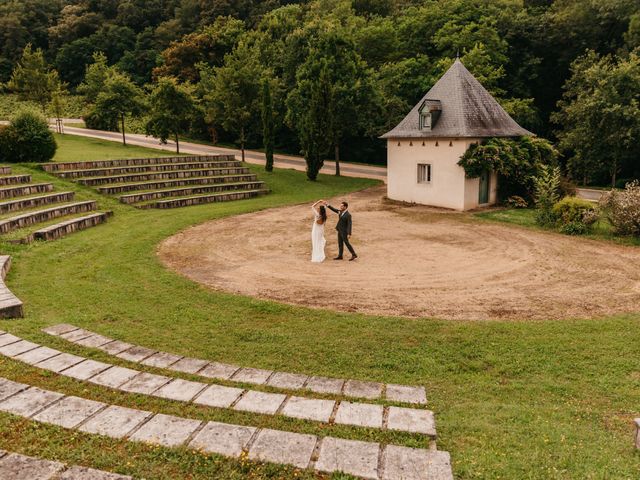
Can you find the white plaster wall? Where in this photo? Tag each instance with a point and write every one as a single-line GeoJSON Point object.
{"type": "Point", "coordinates": [449, 187]}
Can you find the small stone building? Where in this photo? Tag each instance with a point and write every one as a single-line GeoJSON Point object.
{"type": "Point", "coordinates": [423, 150]}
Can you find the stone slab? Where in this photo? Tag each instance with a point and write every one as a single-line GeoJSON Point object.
{"type": "Point", "coordinates": [69, 412]}
{"type": "Point", "coordinates": [94, 341]}
{"type": "Point", "coordinates": [59, 329]}
{"type": "Point", "coordinates": [166, 430]}
{"type": "Point", "coordinates": [325, 385]}
{"type": "Point", "coordinates": [114, 377]}
{"type": "Point", "coordinates": [7, 338]}
{"type": "Point", "coordinates": [29, 402]}
{"type": "Point", "coordinates": [8, 388]}
{"type": "Point", "coordinates": [360, 414]}
{"type": "Point", "coordinates": [415, 464]}
{"type": "Point", "coordinates": [161, 360]}
{"type": "Point", "coordinates": [260, 402]}
{"type": "Point", "coordinates": [218, 396]}
{"type": "Point", "coordinates": [255, 376]}
{"type": "Point", "coordinates": [637, 442]}
{"type": "Point", "coordinates": [412, 420]}
{"type": "Point", "coordinates": [84, 473]}
{"type": "Point", "coordinates": [188, 365]}
{"type": "Point", "coordinates": [292, 381]}
{"type": "Point", "coordinates": [115, 347]}
{"type": "Point", "coordinates": [115, 421]}
{"type": "Point", "coordinates": [228, 440]}
{"type": "Point", "coordinates": [283, 447]}
{"type": "Point", "coordinates": [359, 389]}
{"type": "Point", "coordinates": [407, 394]}
{"type": "Point", "coordinates": [136, 354]}
{"type": "Point", "coordinates": [180, 390]}
{"type": "Point", "coordinates": [349, 456]}
{"type": "Point", "coordinates": [76, 335]}
{"type": "Point", "coordinates": [60, 362]}
{"type": "Point", "coordinates": [145, 383]}
{"type": "Point", "coordinates": [14, 466]}
{"type": "Point", "coordinates": [17, 348]}
{"type": "Point", "coordinates": [222, 371]}
{"type": "Point", "coordinates": [86, 369]}
{"type": "Point", "coordinates": [38, 355]}
{"type": "Point", "coordinates": [309, 409]}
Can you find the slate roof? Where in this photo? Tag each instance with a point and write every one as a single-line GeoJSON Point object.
{"type": "Point", "coordinates": [468, 110]}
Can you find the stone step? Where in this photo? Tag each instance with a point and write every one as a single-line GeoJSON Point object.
{"type": "Point", "coordinates": [167, 184]}
{"type": "Point", "coordinates": [140, 177]}
{"type": "Point", "coordinates": [155, 168]}
{"type": "Point", "coordinates": [15, 180]}
{"type": "Point", "coordinates": [4, 170]}
{"type": "Point", "coordinates": [10, 305]}
{"type": "Point", "coordinates": [38, 201]}
{"type": "Point", "coordinates": [411, 394]}
{"type": "Point", "coordinates": [24, 190]}
{"type": "Point", "coordinates": [62, 166]}
{"type": "Point", "coordinates": [202, 199]}
{"type": "Point", "coordinates": [355, 414]}
{"type": "Point", "coordinates": [183, 192]}
{"type": "Point", "coordinates": [367, 460]}
{"type": "Point", "coordinates": [39, 216]}
{"type": "Point", "coordinates": [16, 466]}
{"type": "Point", "coordinates": [62, 229]}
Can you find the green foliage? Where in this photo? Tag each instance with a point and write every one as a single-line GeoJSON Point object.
{"type": "Point", "coordinates": [516, 161]}
{"type": "Point", "coordinates": [172, 108]}
{"type": "Point", "coordinates": [547, 192]}
{"type": "Point", "coordinates": [27, 139]}
{"type": "Point", "coordinates": [623, 209]}
{"type": "Point", "coordinates": [267, 125]}
{"type": "Point", "coordinates": [10, 104]}
{"type": "Point", "coordinates": [575, 216]}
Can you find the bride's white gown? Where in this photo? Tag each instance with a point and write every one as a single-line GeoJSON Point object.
{"type": "Point", "coordinates": [317, 239]}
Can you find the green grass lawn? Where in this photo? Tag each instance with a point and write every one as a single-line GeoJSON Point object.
{"type": "Point", "coordinates": [513, 400]}
{"type": "Point", "coordinates": [525, 217]}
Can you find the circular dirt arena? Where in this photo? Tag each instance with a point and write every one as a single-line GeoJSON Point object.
{"type": "Point", "coordinates": [414, 261]}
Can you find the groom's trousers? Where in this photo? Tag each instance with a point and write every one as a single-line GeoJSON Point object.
{"type": "Point", "coordinates": [342, 241]}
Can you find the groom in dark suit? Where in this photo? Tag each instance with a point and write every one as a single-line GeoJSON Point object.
{"type": "Point", "coordinates": [344, 230]}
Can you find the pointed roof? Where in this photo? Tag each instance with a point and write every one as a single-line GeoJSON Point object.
{"type": "Point", "coordinates": [468, 110]}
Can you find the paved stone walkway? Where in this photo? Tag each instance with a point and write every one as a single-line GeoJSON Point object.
{"type": "Point", "coordinates": [328, 411]}
{"type": "Point", "coordinates": [364, 459]}
{"type": "Point", "coordinates": [292, 381]}
{"type": "Point", "coordinates": [21, 467]}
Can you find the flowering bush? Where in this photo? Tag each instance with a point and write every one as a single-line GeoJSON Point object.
{"type": "Point", "coordinates": [575, 216]}
{"type": "Point", "coordinates": [516, 201]}
{"type": "Point", "coordinates": [623, 209]}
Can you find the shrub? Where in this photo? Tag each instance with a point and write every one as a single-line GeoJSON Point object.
{"type": "Point", "coordinates": [547, 186]}
{"type": "Point", "coordinates": [623, 209]}
{"type": "Point", "coordinates": [567, 187]}
{"type": "Point", "coordinates": [6, 143]}
{"type": "Point", "coordinates": [575, 216]}
{"type": "Point", "coordinates": [28, 139]}
{"type": "Point", "coordinates": [516, 201]}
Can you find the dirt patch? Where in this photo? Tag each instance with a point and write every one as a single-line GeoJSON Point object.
{"type": "Point", "coordinates": [414, 261]}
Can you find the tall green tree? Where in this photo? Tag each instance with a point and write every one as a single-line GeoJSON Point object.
{"type": "Point", "coordinates": [268, 127]}
{"type": "Point", "coordinates": [32, 79]}
{"type": "Point", "coordinates": [233, 93]}
{"type": "Point", "coordinates": [119, 99]}
{"type": "Point", "coordinates": [172, 108]}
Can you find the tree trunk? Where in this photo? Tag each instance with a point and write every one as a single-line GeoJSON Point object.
{"type": "Point", "coordinates": [242, 143]}
{"type": "Point", "coordinates": [614, 173]}
{"type": "Point", "coordinates": [177, 143]}
{"type": "Point", "coordinates": [337, 158]}
{"type": "Point", "coordinates": [124, 139]}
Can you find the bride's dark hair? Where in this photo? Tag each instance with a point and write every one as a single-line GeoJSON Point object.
{"type": "Point", "coordinates": [323, 213]}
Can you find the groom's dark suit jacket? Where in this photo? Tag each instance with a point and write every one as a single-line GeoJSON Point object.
{"type": "Point", "coordinates": [344, 222]}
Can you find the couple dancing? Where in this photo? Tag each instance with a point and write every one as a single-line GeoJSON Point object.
{"type": "Point", "coordinates": [317, 231]}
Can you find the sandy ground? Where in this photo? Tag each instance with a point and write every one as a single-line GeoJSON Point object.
{"type": "Point", "coordinates": [414, 261]}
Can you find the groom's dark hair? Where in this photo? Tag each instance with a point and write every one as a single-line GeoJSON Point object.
{"type": "Point", "coordinates": [345, 204]}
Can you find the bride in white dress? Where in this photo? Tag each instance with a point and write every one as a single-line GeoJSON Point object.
{"type": "Point", "coordinates": [317, 231]}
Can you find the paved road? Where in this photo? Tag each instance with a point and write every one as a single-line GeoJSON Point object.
{"type": "Point", "coordinates": [251, 156]}
{"type": "Point", "coordinates": [590, 194]}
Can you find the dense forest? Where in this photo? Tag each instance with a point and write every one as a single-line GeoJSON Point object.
{"type": "Point", "coordinates": [567, 70]}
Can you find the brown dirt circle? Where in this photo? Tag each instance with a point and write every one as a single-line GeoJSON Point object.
{"type": "Point", "coordinates": [414, 262]}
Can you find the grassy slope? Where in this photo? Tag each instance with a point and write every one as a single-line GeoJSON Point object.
{"type": "Point", "coordinates": [543, 400]}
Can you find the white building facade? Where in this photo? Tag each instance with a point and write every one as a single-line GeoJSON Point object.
{"type": "Point", "coordinates": [423, 151]}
